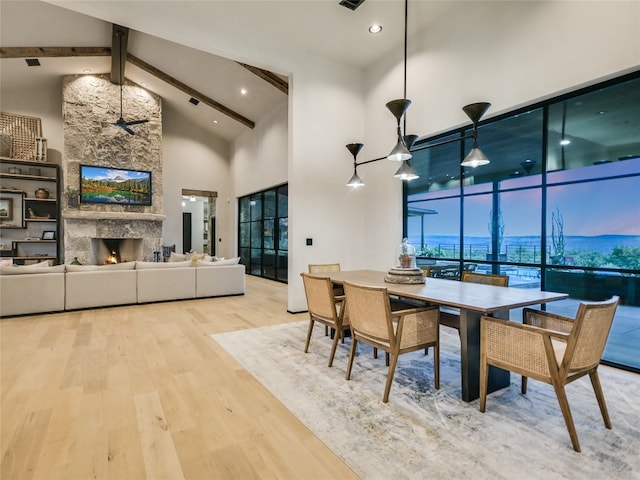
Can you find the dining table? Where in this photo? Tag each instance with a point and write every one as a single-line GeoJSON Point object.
{"type": "Point", "coordinates": [473, 301]}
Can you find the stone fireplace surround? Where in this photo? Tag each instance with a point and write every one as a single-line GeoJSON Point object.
{"type": "Point", "coordinates": [83, 228]}
{"type": "Point", "coordinates": [89, 100]}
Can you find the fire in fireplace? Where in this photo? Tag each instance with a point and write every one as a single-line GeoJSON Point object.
{"type": "Point", "coordinates": [115, 250]}
{"type": "Point", "coordinates": [113, 245]}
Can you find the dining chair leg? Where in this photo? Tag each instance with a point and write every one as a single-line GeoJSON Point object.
{"type": "Point", "coordinates": [392, 371]}
{"type": "Point", "coordinates": [334, 345]}
{"type": "Point", "coordinates": [352, 354]}
{"type": "Point", "coordinates": [326, 331]}
{"type": "Point", "coordinates": [309, 330]}
{"type": "Point", "coordinates": [523, 388]}
{"type": "Point", "coordinates": [375, 352]}
{"type": "Point", "coordinates": [595, 381]}
{"type": "Point", "coordinates": [566, 413]}
{"type": "Point", "coordinates": [484, 378]}
{"type": "Point", "coordinates": [436, 366]}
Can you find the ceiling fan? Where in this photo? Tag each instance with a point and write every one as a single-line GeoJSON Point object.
{"type": "Point", "coordinates": [120, 33]}
{"type": "Point", "coordinates": [124, 124]}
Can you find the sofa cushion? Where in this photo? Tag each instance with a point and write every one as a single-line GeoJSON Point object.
{"type": "Point", "coordinates": [151, 265]}
{"type": "Point", "coordinates": [220, 280]}
{"type": "Point", "coordinates": [160, 284]}
{"type": "Point", "coordinates": [82, 268]}
{"type": "Point", "coordinates": [100, 287]}
{"type": "Point", "coordinates": [30, 269]}
{"type": "Point", "coordinates": [217, 263]}
{"type": "Point", "coordinates": [119, 266]}
{"type": "Point", "coordinates": [96, 268]}
{"type": "Point", "coordinates": [37, 293]}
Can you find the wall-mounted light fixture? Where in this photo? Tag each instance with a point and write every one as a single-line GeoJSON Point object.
{"type": "Point", "coordinates": [401, 152]}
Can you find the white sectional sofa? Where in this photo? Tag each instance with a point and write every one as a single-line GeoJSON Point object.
{"type": "Point", "coordinates": [34, 290]}
{"type": "Point", "coordinates": [166, 281]}
{"type": "Point", "coordinates": [38, 289]}
{"type": "Point", "coordinates": [96, 287]}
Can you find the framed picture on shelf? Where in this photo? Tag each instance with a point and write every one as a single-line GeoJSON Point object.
{"type": "Point", "coordinates": [6, 209]}
{"type": "Point", "coordinates": [11, 208]}
{"type": "Point", "coordinates": [49, 235]}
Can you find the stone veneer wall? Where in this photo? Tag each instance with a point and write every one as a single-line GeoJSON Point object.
{"type": "Point", "coordinates": [90, 103]}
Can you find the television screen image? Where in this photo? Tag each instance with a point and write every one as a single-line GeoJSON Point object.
{"type": "Point", "coordinates": [114, 186]}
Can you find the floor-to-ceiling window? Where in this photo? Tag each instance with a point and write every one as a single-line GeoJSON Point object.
{"type": "Point", "coordinates": [558, 207]}
{"type": "Point", "coordinates": [263, 240]}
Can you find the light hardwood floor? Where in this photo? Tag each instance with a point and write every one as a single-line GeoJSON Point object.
{"type": "Point", "coordinates": [143, 392]}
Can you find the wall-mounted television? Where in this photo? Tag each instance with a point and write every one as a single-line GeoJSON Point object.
{"type": "Point", "coordinates": [117, 186]}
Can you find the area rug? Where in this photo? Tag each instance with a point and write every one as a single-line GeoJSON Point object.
{"type": "Point", "coordinates": [424, 433]}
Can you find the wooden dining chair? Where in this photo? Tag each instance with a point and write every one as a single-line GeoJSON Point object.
{"type": "Point", "coordinates": [326, 268]}
{"type": "Point", "coordinates": [326, 308]}
{"type": "Point", "coordinates": [450, 317]}
{"type": "Point", "coordinates": [396, 332]}
{"type": "Point", "coordinates": [550, 348]}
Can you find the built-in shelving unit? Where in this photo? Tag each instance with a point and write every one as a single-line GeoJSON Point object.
{"type": "Point", "coordinates": [29, 211]}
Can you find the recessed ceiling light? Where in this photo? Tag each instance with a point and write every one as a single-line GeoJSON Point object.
{"type": "Point", "coordinates": [565, 141]}
{"type": "Point", "coordinates": [375, 28]}
{"type": "Point", "coordinates": [243, 91]}
{"type": "Point", "coordinates": [215, 121]}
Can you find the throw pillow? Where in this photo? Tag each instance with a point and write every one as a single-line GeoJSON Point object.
{"type": "Point", "coordinates": [194, 257]}
{"type": "Point", "coordinates": [151, 265]}
{"type": "Point", "coordinates": [177, 257]}
{"type": "Point", "coordinates": [44, 263]}
{"type": "Point", "coordinates": [228, 261]}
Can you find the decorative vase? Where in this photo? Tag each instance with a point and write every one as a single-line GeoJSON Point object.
{"type": "Point", "coordinates": [41, 193]}
{"type": "Point", "coordinates": [406, 254]}
{"type": "Point", "coordinates": [41, 149]}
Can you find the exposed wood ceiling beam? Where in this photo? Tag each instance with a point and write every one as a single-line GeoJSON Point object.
{"type": "Point", "coordinates": [269, 77]}
{"type": "Point", "coordinates": [189, 91]}
{"type": "Point", "coordinates": [30, 52]}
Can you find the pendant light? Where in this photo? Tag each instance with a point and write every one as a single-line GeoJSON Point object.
{"type": "Point", "coordinates": [406, 171]}
{"type": "Point", "coordinates": [475, 158]}
{"type": "Point", "coordinates": [401, 152]}
{"type": "Point", "coordinates": [355, 180]}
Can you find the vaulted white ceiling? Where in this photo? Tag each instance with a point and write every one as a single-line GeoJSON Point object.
{"type": "Point", "coordinates": [177, 37]}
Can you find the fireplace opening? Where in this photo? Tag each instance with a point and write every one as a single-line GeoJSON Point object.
{"type": "Point", "coordinates": [113, 245]}
{"type": "Point", "coordinates": [115, 250]}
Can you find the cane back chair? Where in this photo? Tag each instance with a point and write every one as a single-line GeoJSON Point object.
{"type": "Point", "coordinates": [551, 348]}
{"type": "Point", "coordinates": [396, 332]}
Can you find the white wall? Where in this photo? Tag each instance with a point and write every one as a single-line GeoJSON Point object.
{"type": "Point", "coordinates": [195, 159]}
{"type": "Point", "coordinates": [507, 53]}
{"type": "Point", "coordinates": [302, 143]}
{"type": "Point", "coordinates": [260, 155]}
{"type": "Point", "coordinates": [44, 103]}
{"type": "Point", "coordinates": [326, 111]}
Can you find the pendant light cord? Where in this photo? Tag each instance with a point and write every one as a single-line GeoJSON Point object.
{"type": "Point", "coordinates": [406, 17]}
{"type": "Point", "coordinates": [121, 72]}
